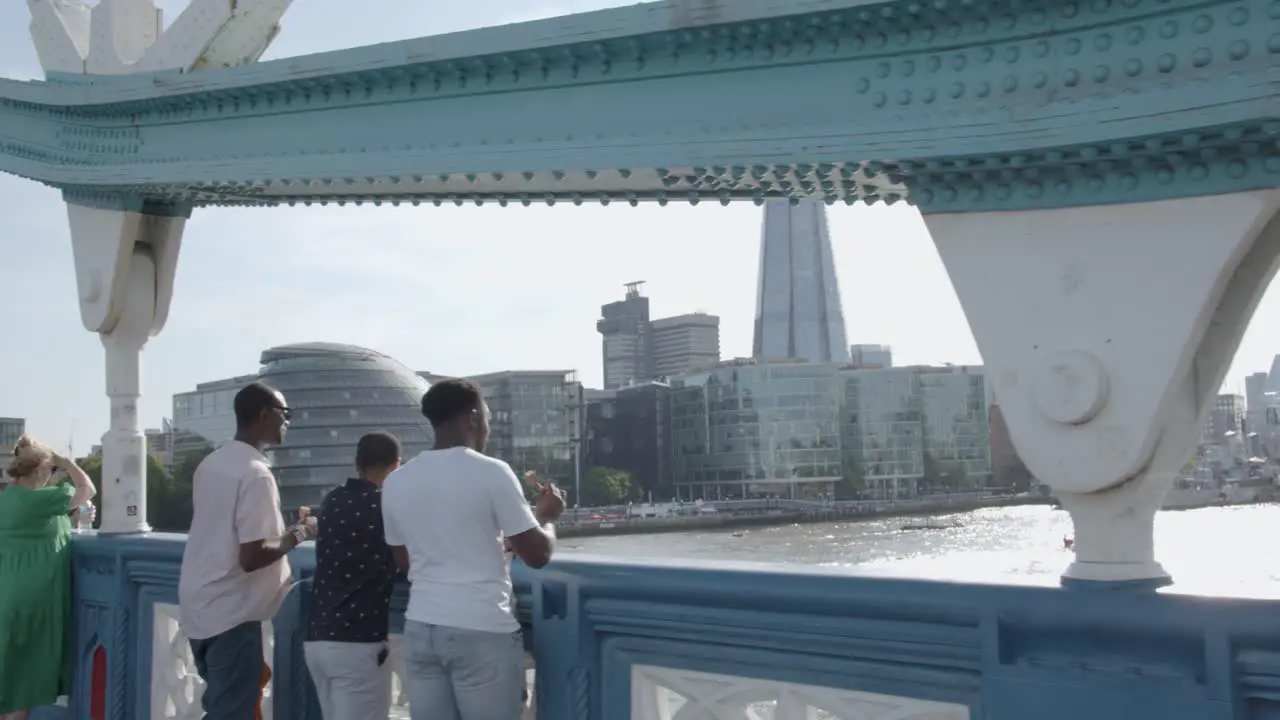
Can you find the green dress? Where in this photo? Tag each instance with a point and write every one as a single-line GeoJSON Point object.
{"type": "Point", "coordinates": [35, 595]}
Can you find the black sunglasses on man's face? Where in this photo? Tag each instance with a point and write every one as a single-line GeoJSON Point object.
{"type": "Point", "coordinates": [285, 412]}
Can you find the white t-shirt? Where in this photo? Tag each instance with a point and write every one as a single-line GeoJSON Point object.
{"type": "Point", "coordinates": [451, 509]}
{"type": "Point", "coordinates": [236, 501]}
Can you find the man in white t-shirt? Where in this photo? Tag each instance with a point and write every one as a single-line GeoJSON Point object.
{"type": "Point", "coordinates": [446, 514]}
{"type": "Point", "coordinates": [234, 573]}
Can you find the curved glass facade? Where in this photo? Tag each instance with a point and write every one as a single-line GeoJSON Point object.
{"type": "Point", "coordinates": [338, 393]}
{"type": "Point", "coordinates": [757, 431]}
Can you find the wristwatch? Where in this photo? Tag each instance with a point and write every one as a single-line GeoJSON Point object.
{"type": "Point", "coordinates": [299, 534]}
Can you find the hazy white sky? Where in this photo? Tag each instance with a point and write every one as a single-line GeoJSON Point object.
{"type": "Point", "coordinates": [451, 290]}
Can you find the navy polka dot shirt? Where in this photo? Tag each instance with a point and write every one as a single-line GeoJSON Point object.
{"type": "Point", "coordinates": [351, 591]}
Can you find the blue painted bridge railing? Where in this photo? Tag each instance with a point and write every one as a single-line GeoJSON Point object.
{"type": "Point", "coordinates": [659, 641]}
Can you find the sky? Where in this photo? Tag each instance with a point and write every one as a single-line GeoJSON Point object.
{"type": "Point", "coordinates": [450, 290]}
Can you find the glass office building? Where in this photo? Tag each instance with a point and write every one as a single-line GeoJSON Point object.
{"type": "Point", "coordinates": [629, 429]}
{"type": "Point", "coordinates": [915, 430]}
{"type": "Point", "coordinates": [11, 430]}
{"type": "Point", "coordinates": [535, 420]}
{"type": "Point", "coordinates": [957, 429]}
{"type": "Point", "coordinates": [204, 418]}
{"type": "Point", "coordinates": [338, 393]}
{"type": "Point", "coordinates": [882, 433]}
{"type": "Point", "coordinates": [751, 429]}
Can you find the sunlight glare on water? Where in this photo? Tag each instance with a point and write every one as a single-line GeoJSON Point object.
{"type": "Point", "coordinates": [1211, 551]}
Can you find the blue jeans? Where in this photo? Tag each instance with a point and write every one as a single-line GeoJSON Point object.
{"type": "Point", "coordinates": [455, 674]}
{"type": "Point", "coordinates": [231, 666]}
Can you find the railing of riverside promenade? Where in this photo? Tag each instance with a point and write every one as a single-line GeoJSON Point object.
{"type": "Point", "coordinates": [667, 641]}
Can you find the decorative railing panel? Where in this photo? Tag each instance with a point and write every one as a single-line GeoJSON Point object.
{"type": "Point", "coordinates": [653, 641]}
{"type": "Point", "coordinates": [659, 693]}
{"type": "Point", "coordinates": [176, 687]}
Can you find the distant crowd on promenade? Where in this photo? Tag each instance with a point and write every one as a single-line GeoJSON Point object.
{"type": "Point", "coordinates": [448, 521]}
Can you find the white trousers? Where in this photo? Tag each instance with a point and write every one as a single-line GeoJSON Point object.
{"type": "Point", "coordinates": [349, 681]}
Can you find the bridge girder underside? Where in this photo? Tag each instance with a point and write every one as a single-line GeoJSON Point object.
{"type": "Point", "coordinates": [983, 105]}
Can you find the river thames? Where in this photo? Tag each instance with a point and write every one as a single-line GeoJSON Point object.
{"type": "Point", "coordinates": [1216, 551]}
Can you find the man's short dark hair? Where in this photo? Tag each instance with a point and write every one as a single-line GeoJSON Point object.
{"type": "Point", "coordinates": [449, 399]}
{"type": "Point", "coordinates": [251, 401]}
{"type": "Point", "coordinates": [377, 450]}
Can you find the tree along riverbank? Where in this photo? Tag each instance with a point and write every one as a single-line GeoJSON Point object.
{"type": "Point", "coordinates": [727, 520]}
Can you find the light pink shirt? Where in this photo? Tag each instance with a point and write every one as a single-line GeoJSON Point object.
{"type": "Point", "coordinates": [236, 501]}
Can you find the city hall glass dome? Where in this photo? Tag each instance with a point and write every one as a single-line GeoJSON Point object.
{"type": "Point", "coordinates": [338, 393]}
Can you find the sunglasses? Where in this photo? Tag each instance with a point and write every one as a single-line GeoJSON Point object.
{"type": "Point", "coordinates": [285, 412]}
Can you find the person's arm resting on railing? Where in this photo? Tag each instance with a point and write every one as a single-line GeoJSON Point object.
{"type": "Point", "coordinates": [263, 539]}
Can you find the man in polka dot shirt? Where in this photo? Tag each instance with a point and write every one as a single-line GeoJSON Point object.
{"type": "Point", "coordinates": [346, 648]}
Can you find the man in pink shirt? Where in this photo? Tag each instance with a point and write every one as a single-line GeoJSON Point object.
{"type": "Point", "coordinates": [234, 572]}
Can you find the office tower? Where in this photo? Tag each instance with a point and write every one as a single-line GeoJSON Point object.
{"type": "Point", "coordinates": [871, 357]}
{"type": "Point", "coordinates": [629, 429]}
{"type": "Point", "coordinates": [11, 430]}
{"type": "Point", "coordinates": [624, 331]}
{"type": "Point", "coordinates": [160, 443]}
{"type": "Point", "coordinates": [1226, 418]}
{"type": "Point", "coordinates": [684, 342]}
{"type": "Point", "coordinates": [1255, 423]}
{"type": "Point", "coordinates": [798, 312]}
{"type": "Point", "coordinates": [204, 418]}
{"type": "Point", "coordinates": [535, 421]}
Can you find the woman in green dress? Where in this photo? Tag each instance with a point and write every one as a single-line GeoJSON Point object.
{"type": "Point", "coordinates": [35, 577]}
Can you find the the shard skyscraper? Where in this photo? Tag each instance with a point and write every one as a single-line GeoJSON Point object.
{"type": "Point", "coordinates": [798, 312]}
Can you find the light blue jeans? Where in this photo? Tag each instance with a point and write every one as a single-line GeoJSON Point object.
{"type": "Point", "coordinates": [455, 674]}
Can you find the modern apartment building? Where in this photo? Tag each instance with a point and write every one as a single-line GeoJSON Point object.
{"type": "Point", "coordinates": [683, 343]}
{"type": "Point", "coordinates": [636, 349]}
{"type": "Point", "coordinates": [624, 339]}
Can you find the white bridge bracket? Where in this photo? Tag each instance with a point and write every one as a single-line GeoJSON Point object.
{"type": "Point", "coordinates": [1107, 331]}
{"type": "Point", "coordinates": [125, 266]}
{"type": "Point", "coordinates": [126, 254]}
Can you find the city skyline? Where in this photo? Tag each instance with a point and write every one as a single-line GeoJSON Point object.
{"type": "Point", "coordinates": [464, 290]}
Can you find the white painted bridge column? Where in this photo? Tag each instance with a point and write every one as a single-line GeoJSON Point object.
{"type": "Point", "coordinates": [125, 253]}
{"type": "Point", "coordinates": [1107, 332]}
{"type": "Point", "coordinates": [125, 265]}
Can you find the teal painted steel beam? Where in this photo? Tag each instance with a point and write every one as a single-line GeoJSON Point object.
{"type": "Point", "coordinates": [952, 105]}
